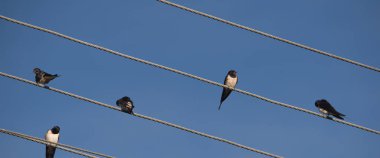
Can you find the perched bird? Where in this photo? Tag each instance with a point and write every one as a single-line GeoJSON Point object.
{"type": "Point", "coordinates": [230, 81]}
{"type": "Point", "coordinates": [52, 135]}
{"type": "Point", "coordinates": [325, 107]}
{"type": "Point", "coordinates": [126, 104]}
{"type": "Point", "coordinates": [43, 77]}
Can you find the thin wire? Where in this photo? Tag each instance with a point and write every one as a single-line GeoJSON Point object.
{"type": "Point", "coordinates": [70, 147]}
{"type": "Point", "coordinates": [270, 36]}
{"type": "Point", "coordinates": [86, 151]}
{"type": "Point", "coordinates": [141, 116]}
{"type": "Point", "coordinates": [185, 74]}
{"type": "Point", "coordinates": [41, 141]}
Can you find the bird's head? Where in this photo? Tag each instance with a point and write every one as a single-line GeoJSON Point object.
{"type": "Point", "coordinates": [126, 98]}
{"type": "Point", "coordinates": [321, 101]}
{"type": "Point", "coordinates": [55, 130]}
{"type": "Point", "coordinates": [37, 70]}
{"type": "Point", "coordinates": [232, 73]}
{"type": "Point", "coordinates": [317, 103]}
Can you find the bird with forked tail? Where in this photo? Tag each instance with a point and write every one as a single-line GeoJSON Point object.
{"type": "Point", "coordinates": [326, 108]}
{"type": "Point", "coordinates": [52, 135]}
{"type": "Point", "coordinates": [230, 81]}
{"type": "Point", "coordinates": [43, 77]}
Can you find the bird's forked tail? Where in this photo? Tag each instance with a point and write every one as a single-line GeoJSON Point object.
{"type": "Point", "coordinates": [220, 105]}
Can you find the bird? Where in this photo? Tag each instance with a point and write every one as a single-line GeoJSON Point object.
{"type": "Point", "coordinates": [43, 77]}
{"type": "Point", "coordinates": [52, 135]}
{"type": "Point", "coordinates": [326, 108]}
{"type": "Point", "coordinates": [231, 80]}
{"type": "Point", "coordinates": [126, 104]}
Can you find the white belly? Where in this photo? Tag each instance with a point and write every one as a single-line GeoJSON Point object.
{"type": "Point", "coordinates": [129, 105]}
{"type": "Point", "coordinates": [52, 137]}
{"type": "Point", "coordinates": [323, 111]}
{"type": "Point", "coordinates": [231, 82]}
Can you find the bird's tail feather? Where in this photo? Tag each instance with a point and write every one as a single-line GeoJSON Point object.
{"type": "Point", "coordinates": [50, 151]}
{"type": "Point", "coordinates": [220, 105]}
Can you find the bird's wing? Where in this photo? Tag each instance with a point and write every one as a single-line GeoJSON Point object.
{"type": "Point", "coordinates": [225, 80]}
{"type": "Point", "coordinates": [49, 76]}
{"type": "Point", "coordinates": [37, 78]}
{"type": "Point", "coordinates": [328, 107]}
{"type": "Point", "coordinates": [121, 102]}
{"type": "Point", "coordinates": [226, 92]}
{"type": "Point", "coordinates": [334, 112]}
{"type": "Point", "coordinates": [46, 134]}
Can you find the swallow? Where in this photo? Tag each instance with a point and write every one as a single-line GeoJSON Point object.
{"type": "Point", "coordinates": [126, 104]}
{"type": "Point", "coordinates": [230, 81]}
{"type": "Point", "coordinates": [326, 108]}
{"type": "Point", "coordinates": [43, 77]}
{"type": "Point", "coordinates": [52, 135]}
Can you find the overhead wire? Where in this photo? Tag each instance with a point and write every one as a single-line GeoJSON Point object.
{"type": "Point", "coordinates": [270, 36]}
{"type": "Point", "coordinates": [141, 116]}
{"type": "Point", "coordinates": [185, 74]}
{"type": "Point", "coordinates": [41, 141]}
{"type": "Point", "coordinates": [70, 147]}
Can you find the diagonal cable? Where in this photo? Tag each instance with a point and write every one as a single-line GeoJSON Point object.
{"type": "Point", "coordinates": [270, 36]}
{"type": "Point", "coordinates": [141, 116]}
{"type": "Point", "coordinates": [64, 145]}
{"type": "Point", "coordinates": [41, 141]}
{"type": "Point", "coordinates": [185, 74]}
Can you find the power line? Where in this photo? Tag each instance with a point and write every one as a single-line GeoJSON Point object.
{"type": "Point", "coordinates": [41, 141]}
{"type": "Point", "coordinates": [141, 116]}
{"type": "Point", "coordinates": [186, 74]}
{"type": "Point", "coordinates": [68, 146]}
{"type": "Point", "coordinates": [270, 36]}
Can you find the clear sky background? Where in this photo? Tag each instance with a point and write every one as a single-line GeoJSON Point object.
{"type": "Point", "coordinates": [157, 32]}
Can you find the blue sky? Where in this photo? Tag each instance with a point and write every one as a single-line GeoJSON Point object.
{"type": "Point", "coordinates": [153, 31]}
